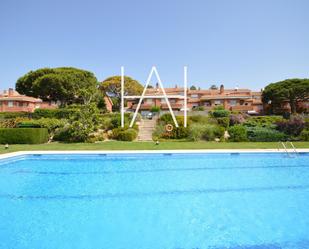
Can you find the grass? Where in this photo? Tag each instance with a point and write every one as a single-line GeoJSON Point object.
{"type": "Point", "coordinates": [168, 145]}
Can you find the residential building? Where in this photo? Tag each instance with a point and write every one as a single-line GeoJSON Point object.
{"type": "Point", "coordinates": [243, 100]}
{"type": "Point", "coordinates": [108, 103]}
{"type": "Point", "coordinates": [12, 101]}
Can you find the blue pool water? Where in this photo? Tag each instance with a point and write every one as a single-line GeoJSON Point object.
{"type": "Point", "coordinates": [155, 201]}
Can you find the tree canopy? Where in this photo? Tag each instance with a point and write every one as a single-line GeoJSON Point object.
{"type": "Point", "coordinates": [64, 84]}
{"type": "Point", "coordinates": [193, 87]}
{"type": "Point", "coordinates": [112, 87]}
{"type": "Point", "coordinates": [291, 90]}
{"type": "Point", "coordinates": [213, 87]}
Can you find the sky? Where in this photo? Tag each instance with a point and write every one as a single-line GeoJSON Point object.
{"type": "Point", "coordinates": [244, 43]}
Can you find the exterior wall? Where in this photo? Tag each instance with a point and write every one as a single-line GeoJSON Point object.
{"type": "Point", "coordinates": [12, 101]}
{"type": "Point", "coordinates": [18, 106]}
{"type": "Point", "coordinates": [108, 104]}
{"type": "Point", "coordinates": [232, 99]}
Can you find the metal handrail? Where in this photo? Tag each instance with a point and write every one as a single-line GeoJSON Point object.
{"type": "Point", "coordinates": [293, 147]}
{"type": "Point", "coordinates": [284, 145]}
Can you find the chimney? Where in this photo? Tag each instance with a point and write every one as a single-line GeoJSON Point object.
{"type": "Point", "coordinates": [221, 89]}
{"type": "Point", "coordinates": [157, 85]}
{"type": "Point", "coordinates": [176, 86]}
{"type": "Point", "coordinates": [11, 91]}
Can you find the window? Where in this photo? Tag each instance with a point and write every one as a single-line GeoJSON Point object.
{"type": "Point", "coordinates": [172, 101]}
{"type": "Point", "coordinates": [207, 104]}
{"type": "Point", "coordinates": [20, 104]}
{"type": "Point", "coordinates": [10, 104]}
{"type": "Point", "coordinates": [218, 102]}
{"type": "Point", "coordinates": [233, 102]}
{"type": "Point", "coordinates": [194, 96]}
{"type": "Point", "coordinates": [149, 101]}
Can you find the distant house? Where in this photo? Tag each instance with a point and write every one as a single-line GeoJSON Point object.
{"type": "Point", "coordinates": [243, 100]}
{"type": "Point", "coordinates": [12, 101]}
{"type": "Point", "coordinates": [108, 103]}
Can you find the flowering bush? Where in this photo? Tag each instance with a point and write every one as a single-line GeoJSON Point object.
{"type": "Point", "coordinates": [293, 126]}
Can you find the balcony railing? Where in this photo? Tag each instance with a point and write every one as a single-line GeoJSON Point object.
{"type": "Point", "coordinates": [241, 108]}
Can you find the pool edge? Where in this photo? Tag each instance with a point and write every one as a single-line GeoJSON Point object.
{"type": "Point", "coordinates": [50, 152]}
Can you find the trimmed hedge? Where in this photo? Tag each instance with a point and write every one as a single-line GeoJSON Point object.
{"type": "Point", "coordinates": [60, 113]}
{"type": "Point", "coordinates": [23, 135]}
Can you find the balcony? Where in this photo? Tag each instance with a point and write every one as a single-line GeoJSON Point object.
{"type": "Point", "coordinates": [241, 108]}
{"type": "Point", "coordinates": [174, 106]}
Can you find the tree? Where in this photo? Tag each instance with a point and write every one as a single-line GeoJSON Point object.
{"type": "Point", "coordinates": [65, 84]}
{"type": "Point", "coordinates": [112, 87]}
{"type": "Point", "coordinates": [81, 124]}
{"type": "Point", "coordinates": [193, 87]}
{"type": "Point", "coordinates": [213, 87]}
{"type": "Point", "coordinates": [291, 90]}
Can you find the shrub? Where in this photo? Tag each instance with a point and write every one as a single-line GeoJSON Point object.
{"type": "Point", "coordinates": [238, 133]}
{"type": "Point", "coordinates": [199, 108]}
{"type": "Point", "coordinates": [115, 120]}
{"type": "Point", "coordinates": [23, 135]}
{"type": "Point", "coordinates": [261, 134]}
{"type": "Point", "coordinates": [45, 113]}
{"type": "Point", "coordinates": [155, 109]}
{"type": "Point", "coordinates": [127, 135]}
{"type": "Point", "coordinates": [130, 117]}
{"type": "Point", "coordinates": [80, 125]}
{"type": "Point", "coordinates": [50, 123]}
{"type": "Point", "coordinates": [220, 113]}
{"type": "Point", "coordinates": [200, 119]}
{"type": "Point", "coordinates": [224, 122]}
{"type": "Point", "coordinates": [75, 132]}
{"type": "Point", "coordinates": [304, 135]}
{"type": "Point", "coordinates": [177, 132]}
{"type": "Point", "coordinates": [293, 127]}
{"type": "Point", "coordinates": [206, 132]}
{"type": "Point", "coordinates": [262, 121]}
{"type": "Point", "coordinates": [124, 134]}
{"type": "Point", "coordinates": [61, 113]}
{"type": "Point", "coordinates": [196, 132]}
{"type": "Point", "coordinates": [11, 122]}
{"type": "Point", "coordinates": [236, 119]}
{"type": "Point", "coordinates": [12, 115]}
{"type": "Point", "coordinates": [158, 132]}
{"type": "Point", "coordinates": [166, 118]}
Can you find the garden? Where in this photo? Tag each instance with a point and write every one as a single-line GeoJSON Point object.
{"type": "Point", "coordinates": [225, 126]}
{"type": "Point", "coordinates": [73, 124]}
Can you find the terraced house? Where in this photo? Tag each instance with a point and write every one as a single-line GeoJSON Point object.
{"type": "Point", "coordinates": [12, 101]}
{"type": "Point", "coordinates": [243, 100]}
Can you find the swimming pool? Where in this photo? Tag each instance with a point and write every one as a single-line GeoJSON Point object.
{"type": "Point", "coordinates": [220, 200]}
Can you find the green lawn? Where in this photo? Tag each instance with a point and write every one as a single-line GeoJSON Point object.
{"type": "Point", "coordinates": [175, 145]}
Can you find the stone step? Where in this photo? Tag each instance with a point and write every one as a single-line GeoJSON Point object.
{"type": "Point", "coordinates": [146, 129]}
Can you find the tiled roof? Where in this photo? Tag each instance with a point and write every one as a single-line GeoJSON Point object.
{"type": "Point", "coordinates": [15, 96]}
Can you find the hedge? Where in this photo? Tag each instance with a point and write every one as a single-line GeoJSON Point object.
{"type": "Point", "coordinates": [261, 134]}
{"type": "Point", "coordinates": [23, 135]}
{"type": "Point", "coordinates": [124, 134]}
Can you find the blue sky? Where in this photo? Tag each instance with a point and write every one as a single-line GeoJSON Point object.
{"type": "Point", "coordinates": [248, 43]}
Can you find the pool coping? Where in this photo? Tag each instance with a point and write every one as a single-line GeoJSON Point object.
{"type": "Point", "coordinates": [206, 151]}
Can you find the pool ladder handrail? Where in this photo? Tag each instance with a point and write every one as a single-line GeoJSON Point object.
{"type": "Point", "coordinates": [285, 147]}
